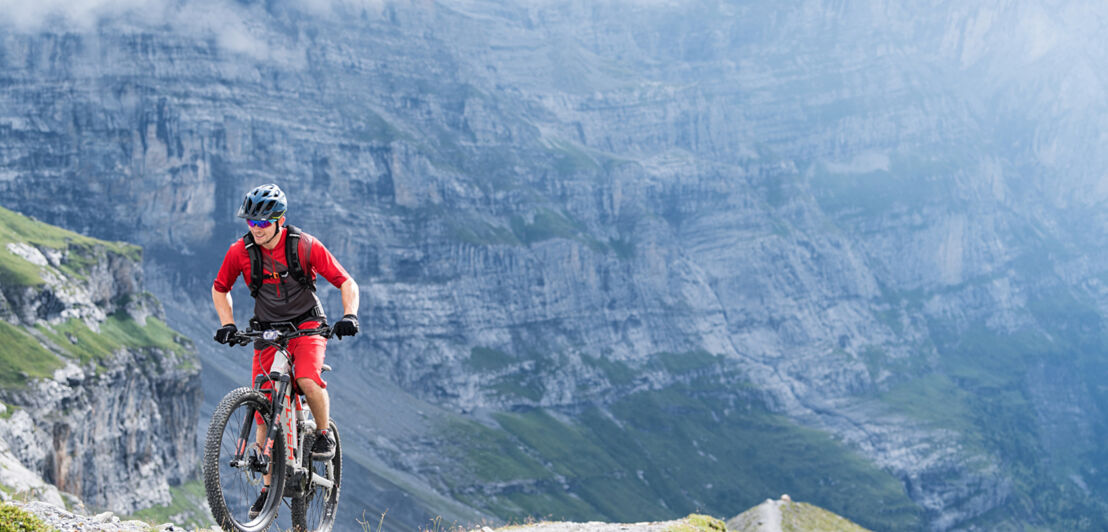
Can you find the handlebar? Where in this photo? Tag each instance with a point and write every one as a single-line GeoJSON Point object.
{"type": "Point", "coordinates": [279, 334]}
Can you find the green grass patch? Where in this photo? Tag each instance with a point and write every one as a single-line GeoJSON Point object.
{"type": "Point", "coordinates": [15, 519]}
{"type": "Point", "coordinates": [117, 332]}
{"type": "Point", "coordinates": [21, 355]}
{"type": "Point", "coordinates": [659, 455]}
{"type": "Point", "coordinates": [545, 225]}
{"type": "Point", "coordinates": [492, 454]}
{"type": "Point", "coordinates": [186, 507]}
{"type": "Point", "coordinates": [699, 523]}
{"type": "Point", "coordinates": [570, 159]}
{"type": "Point", "coordinates": [17, 271]}
{"type": "Point", "coordinates": [79, 250]}
{"type": "Point", "coordinates": [154, 334]}
{"type": "Point", "coordinates": [15, 227]}
{"type": "Point", "coordinates": [802, 517]}
{"type": "Point", "coordinates": [980, 389]}
{"type": "Point", "coordinates": [935, 400]}
{"type": "Point", "coordinates": [680, 363]}
{"type": "Point", "coordinates": [487, 359]}
{"type": "Point", "coordinates": [480, 233]}
{"type": "Point", "coordinates": [617, 372]}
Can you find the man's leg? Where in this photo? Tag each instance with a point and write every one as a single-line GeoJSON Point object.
{"type": "Point", "coordinates": [319, 401]}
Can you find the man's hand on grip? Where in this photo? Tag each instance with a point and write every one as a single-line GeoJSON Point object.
{"type": "Point", "coordinates": [347, 326]}
{"type": "Point", "coordinates": [226, 333]}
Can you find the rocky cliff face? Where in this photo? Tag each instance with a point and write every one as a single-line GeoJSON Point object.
{"type": "Point", "coordinates": [874, 219]}
{"type": "Point", "coordinates": [100, 396]}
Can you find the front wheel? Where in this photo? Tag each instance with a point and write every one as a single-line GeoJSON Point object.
{"type": "Point", "coordinates": [235, 468]}
{"type": "Point", "coordinates": [314, 510]}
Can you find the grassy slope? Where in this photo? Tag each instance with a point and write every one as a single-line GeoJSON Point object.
{"type": "Point", "coordinates": [980, 389]}
{"type": "Point", "coordinates": [15, 227]}
{"type": "Point", "coordinates": [188, 508]}
{"type": "Point", "coordinates": [14, 519]}
{"type": "Point", "coordinates": [24, 355]}
{"type": "Point", "coordinates": [662, 454]}
{"type": "Point", "coordinates": [980, 386]}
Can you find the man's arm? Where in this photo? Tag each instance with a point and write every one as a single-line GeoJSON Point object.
{"type": "Point", "coordinates": [351, 297]}
{"type": "Point", "coordinates": [223, 306]}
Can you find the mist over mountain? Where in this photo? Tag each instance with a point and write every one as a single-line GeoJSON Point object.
{"type": "Point", "coordinates": [627, 260]}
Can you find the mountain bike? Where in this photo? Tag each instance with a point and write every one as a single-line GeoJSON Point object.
{"type": "Point", "coordinates": [238, 456]}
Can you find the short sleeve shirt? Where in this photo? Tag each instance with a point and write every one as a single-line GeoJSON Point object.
{"type": "Point", "coordinates": [281, 297]}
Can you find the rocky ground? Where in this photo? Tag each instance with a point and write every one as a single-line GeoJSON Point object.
{"type": "Point", "coordinates": [66, 521]}
{"type": "Point", "coordinates": [692, 523]}
{"type": "Point", "coordinates": [770, 516]}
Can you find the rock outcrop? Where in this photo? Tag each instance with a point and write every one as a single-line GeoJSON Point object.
{"type": "Point", "coordinates": [108, 410]}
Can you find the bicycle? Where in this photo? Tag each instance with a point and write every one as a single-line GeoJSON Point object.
{"type": "Point", "coordinates": [234, 470]}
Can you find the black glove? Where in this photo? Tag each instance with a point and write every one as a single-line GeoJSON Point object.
{"type": "Point", "coordinates": [347, 326]}
{"type": "Point", "coordinates": [226, 333]}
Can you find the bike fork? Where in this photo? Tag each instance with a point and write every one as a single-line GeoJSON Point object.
{"type": "Point", "coordinates": [240, 448]}
{"type": "Point", "coordinates": [271, 433]}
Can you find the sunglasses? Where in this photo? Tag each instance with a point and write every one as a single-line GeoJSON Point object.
{"type": "Point", "coordinates": [260, 223]}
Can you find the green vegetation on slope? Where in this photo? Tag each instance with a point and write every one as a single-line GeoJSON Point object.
{"type": "Point", "coordinates": [187, 507]}
{"type": "Point", "coordinates": [15, 519]}
{"type": "Point", "coordinates": [801, 517]}
{"type": "Point", "coordinates": [658, 454]}
{"type": "Point", "coordinates": [698, 523]}
{"type": "Point", "coordinates": [78, 250]}
{"type": "Point", "coordinates": [981, 389]}
{"type": "Point", "coordinates": [22, 356]}
{"type": "Point", "coordinates": [119, 331]}
{"type": "Point", "coordinates": [795, 517]}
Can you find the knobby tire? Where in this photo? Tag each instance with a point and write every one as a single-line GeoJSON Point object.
{"type": "Point", "coordinates": [233, 516]}
{"type": "Point", "coordinates": [315, 510]}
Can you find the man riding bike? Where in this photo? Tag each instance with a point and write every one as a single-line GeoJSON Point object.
{"type": "Point", "coordinates": [279, 264]}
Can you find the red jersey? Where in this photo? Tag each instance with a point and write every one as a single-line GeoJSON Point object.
{"type": "Point", "coordinates": [280, 298]}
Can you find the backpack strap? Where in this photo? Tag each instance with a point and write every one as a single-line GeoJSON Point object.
{"type": "Point", "coordinates": [298, 253]}
{"type": "Point", "coordinates": [255, 263]}
{"type": "Point", "coordinates": [299, 259]}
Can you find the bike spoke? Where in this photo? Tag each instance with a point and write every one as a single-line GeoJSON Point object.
{"type": "Point", "coordinates": [238, 482]}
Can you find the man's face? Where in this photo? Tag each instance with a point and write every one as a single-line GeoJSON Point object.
{"type": "Point", "coordinates": [264, 234]}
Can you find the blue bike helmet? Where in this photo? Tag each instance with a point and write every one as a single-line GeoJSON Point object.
{"type": "Point", "coordinates": [266, 202]}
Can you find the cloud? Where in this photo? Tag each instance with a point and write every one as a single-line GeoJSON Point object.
{"type": "Point", "coordinates": [74, 15]}
{"type": "Point", "coordinates": [338, 7]}
{"type": "Point", "coordinates": [233, 26]}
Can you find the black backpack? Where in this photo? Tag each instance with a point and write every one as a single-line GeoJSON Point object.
{"type": "Point", "coordinates": [297, 270]}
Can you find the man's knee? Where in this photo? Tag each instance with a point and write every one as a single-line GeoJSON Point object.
{"type": "Point", "coordinates": [308, 386]}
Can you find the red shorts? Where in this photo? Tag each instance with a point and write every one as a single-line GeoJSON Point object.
{"type": "Point", "coordinates": [307, 353]}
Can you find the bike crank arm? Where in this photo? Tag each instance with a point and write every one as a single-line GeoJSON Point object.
{"type": "Point", "coordinates": [321, 481]}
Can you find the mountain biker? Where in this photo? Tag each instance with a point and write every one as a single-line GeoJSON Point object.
{"type": "Point", "coordinates": [285, 294]}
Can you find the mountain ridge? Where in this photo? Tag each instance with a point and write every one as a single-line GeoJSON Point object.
{"type": "Point", "coordinates": [853, 210]}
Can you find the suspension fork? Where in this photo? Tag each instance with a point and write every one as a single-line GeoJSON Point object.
{"type": "Point", "coordinates": [280, 391]}
{"type": "Point", "coordinates": [247, 424]}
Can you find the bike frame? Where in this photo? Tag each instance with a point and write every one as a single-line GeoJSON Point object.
{"type": "Point", "coordinates": [289, 412]}
{"type": "Point", "coordinates": [287, 415]}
